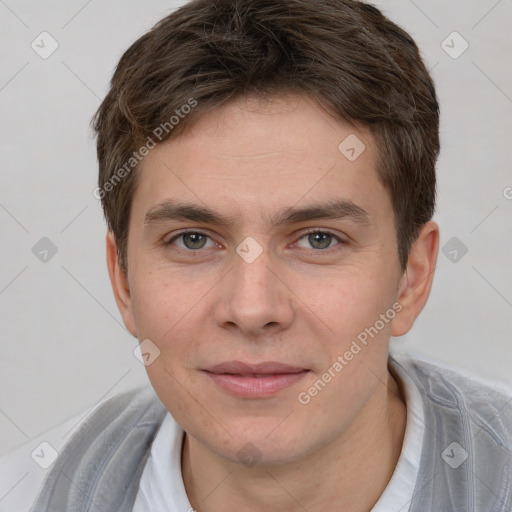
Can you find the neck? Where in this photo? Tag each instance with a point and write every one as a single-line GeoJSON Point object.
{"type": "Point", "coordinates": [351, 471]}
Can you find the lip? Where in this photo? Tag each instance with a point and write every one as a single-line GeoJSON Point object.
{"type": "Point", "coordinates": [259, 380]}
{"type": "Point", "coordinates": [267, 367]}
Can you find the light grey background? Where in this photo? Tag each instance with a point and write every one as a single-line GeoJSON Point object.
{"type": "Point", "coordinates": [63, 345]}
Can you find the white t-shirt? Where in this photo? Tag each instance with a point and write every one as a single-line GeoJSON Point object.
{"type": "Point", "coordinates": [162, 488]}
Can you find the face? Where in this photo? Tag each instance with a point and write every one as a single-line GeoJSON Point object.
{"type": "Point", "coordinates": [258, 253]}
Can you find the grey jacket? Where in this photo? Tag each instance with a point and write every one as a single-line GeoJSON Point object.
{"type": "Point", "coordinates": [100, 468]}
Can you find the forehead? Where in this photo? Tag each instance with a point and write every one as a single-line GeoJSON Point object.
{"type": "Point", "coordinates": [255, 127]}
{"type": "Point", "coordinates": [252, 153]}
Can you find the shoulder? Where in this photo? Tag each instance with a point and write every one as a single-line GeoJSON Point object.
{"type": "Point", "coordinates": [466, 458]}
{"type": "Point", "coordinates": [455, 387]}
{"type": "Point", "coordinates": [125, 410]}
{"type": "Point", "coordinates": [115, 417]}
{"type": "Point", "coordinates": [106, 454]}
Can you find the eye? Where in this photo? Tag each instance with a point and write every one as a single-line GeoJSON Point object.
{"type": "Point", "coordinates": [320, 240]}
{"type": "Point", "coordinates": [190, 240]}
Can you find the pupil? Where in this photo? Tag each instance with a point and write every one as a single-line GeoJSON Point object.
{"type": "Point", "coordinates": [317, 237]}
{"type": "Point", "coordinates": [195, 238]}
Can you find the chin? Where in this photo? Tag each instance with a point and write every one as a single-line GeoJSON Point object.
{"type": "Point", "coordinates": [261, 443]}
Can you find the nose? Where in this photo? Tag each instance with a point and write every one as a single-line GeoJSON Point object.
{"type": "Point", "coordinates": [255, 298]}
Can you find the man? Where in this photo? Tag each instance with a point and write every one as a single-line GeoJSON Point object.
{"type": "Point", "coordinates": [267, 172]}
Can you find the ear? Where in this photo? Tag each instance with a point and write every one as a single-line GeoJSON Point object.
{"type": "Point", "coordinates": [416, 282]}
{"type": "Point", "coordinates": [119, 282]}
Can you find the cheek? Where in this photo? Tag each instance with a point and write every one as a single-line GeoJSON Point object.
{"type": "Point", "coordinates": [350, 303]}
{"type": "Point", "coordinates": [357, 344]}
{"type": "Point", "coordinates": [166, 308]}
{"type": "Point", "coordinates": [168, 312]}
{"type": "Point", "coordinates": [356, 349]}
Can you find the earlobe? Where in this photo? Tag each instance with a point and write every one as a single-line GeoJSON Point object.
{"type": "Point", "coordinates": [119, 282]}
{"type": "Point", "coordinates": [416, 282]}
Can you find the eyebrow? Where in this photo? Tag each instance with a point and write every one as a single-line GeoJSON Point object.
{"type": "Point", "coordinates": [336, 209]}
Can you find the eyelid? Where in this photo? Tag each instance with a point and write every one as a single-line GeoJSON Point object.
{"type": "Point", "coordinates": [309, 231]}
{"type": "Point", "coordinates": [320, 230]}
{"type": "Point", "coordinates": [185, 232]}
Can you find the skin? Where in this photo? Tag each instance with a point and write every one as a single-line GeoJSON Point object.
{"type": "Point", "coordinates": [298, 303]}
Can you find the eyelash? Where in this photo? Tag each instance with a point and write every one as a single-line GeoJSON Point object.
{"type": "Point", "coordinates": [308, 232]}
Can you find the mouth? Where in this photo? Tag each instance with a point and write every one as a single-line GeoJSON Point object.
{"type": "Point", "coordinates": [261, 380]}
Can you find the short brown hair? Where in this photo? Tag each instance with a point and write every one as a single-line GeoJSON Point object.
{"type": "Point", "coordinates": [354, 61]}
